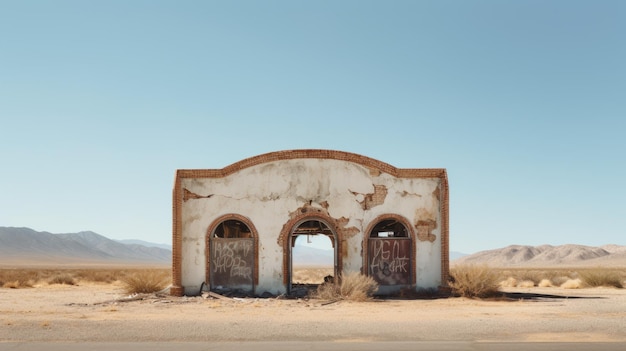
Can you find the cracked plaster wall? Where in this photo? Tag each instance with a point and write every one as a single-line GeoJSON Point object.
{"type": "Point", "coordinates": [269, 192]}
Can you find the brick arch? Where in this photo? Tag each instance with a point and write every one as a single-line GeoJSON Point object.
{"type": "Point", "coordinates": [285, 233]}
{"type": "Point", "coordinates": [255, 235]}
{"type": "Point", "coordinates": [410, 231]}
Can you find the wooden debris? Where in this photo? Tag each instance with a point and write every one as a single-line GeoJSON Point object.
{"type": "Point", "coordinates": [217, 296]}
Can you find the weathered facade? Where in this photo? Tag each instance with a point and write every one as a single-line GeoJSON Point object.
{"type": "Point", "coordinates": [235, 227]}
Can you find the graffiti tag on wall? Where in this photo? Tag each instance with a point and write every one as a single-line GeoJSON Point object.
{"type": "Point", "coordinates": [389, 261]}
{"type": "Point", "coordinates": [232, 261]}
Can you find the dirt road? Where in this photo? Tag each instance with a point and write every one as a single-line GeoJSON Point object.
{"type": "Point", "coordinates": [89, 313]}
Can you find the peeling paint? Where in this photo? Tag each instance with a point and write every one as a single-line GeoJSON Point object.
{"type": "Point", "coordinates": [424, 215]}
{"type": "Point", "coordinates": [188, 195]}
{"type": "Point", "coordinates": [405, 193]}
{"type": "Point", "coordinates": [424, 230]}
{"type": "Point", "coordinates": [437, 193]}
{"type": "Point", "coordinates": [346, 232]}
{"type": "Point", "coordinates": [375, 172]}
{"type": "Point", "coordinates": [370, 200]}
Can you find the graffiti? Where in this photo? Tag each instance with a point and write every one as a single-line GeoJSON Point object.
{"type": "Point", "coordinates": [231, 257]}
{"type": "Point", "coordinates": [387, 258]}
{"type": "Point", "coordinates": [390, 262]}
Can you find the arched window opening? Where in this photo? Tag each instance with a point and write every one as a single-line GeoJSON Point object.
{"type": "Point", "coordinates": [312, 227]}
{"type": "Point", "coordinates": [231, 229]}
{"type": "Point", "coordinates": [389, 228]}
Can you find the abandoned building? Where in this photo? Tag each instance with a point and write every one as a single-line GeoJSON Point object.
{"type": "Point", "coordinates": [235, 227]}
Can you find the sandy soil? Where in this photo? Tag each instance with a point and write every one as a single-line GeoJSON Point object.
{"type": "Point", "coordinates": [90, 313]}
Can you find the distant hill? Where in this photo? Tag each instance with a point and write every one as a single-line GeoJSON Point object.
{"type": "Point", "coordinates": [456, 255]}
{"type": "Point", "coordinates": [304, 256]}
{"type": "Point", "coordinates": [548, 256]}
{"type": "Point", "coordinates": [27, 246]}
{"type": "Point", "coordinates": [145, 243]}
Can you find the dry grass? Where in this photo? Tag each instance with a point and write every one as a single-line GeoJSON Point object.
{"type": "Point", "coordinates": [17, 278]}
{"type": "Point", "coordinates": [144, 282]}
{"type": "Point", "coordinates": [311, 275]}
{"type": "Point", "coordinates": [353, 286]}
{"type": "Point", "coordinates": [474, 281]}
{"type": "Point", "coordinates": [573, 278]}
{"type": "Point", "coordinates": [101, 276]}
{"type": "Point", "coordinates": [602, 277]}
{"type": "Point", "coordinates": [63, 278]}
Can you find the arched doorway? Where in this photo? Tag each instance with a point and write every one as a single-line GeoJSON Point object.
{"type": "Point", "coordinates": [309, 267]}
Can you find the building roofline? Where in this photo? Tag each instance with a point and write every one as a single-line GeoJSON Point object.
{"type": "Point", "coordinates": [373, 164]}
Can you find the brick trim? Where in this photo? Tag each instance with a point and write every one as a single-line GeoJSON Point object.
{"type": "Point", "coordinates": [445, 234]}
{"type": "Point", "coordinates": [412, 236]}
{"type": "Point", "coordinates": [371, 163]}
{"type": "Point", "coordinates": [177, 288]}
{"type": "Point", "coordinates": [255, 236]}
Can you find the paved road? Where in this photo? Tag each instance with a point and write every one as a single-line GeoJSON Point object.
{"type": "Point", "coordinates": [309, 346]}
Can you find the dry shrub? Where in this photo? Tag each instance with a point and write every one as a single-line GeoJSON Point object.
{"type": "Point", "coordinates": [327, 291]}
{"type": "Point", "coordinates": [510, 282]}
{"type": "Point", "coordinates": [145, 282]}
{"type": "Point", "coordinates": [532, 276]}
{"type": "Point", "coordinates": [474, 281]}
{"type": "Point", "coordinates": [559, 280]}
{"type": "Point", "coordinates": [16, 278]}
{"type": "Point", "coordinates": [600, 277]}
{"type": "Point", "coordinates": [353, 286]}
{"type": "Point", "coordinates": [62, 278]}
{"type": "Point", "coordinates": [12, 285]}
{"type": "Point", "coordinates": [568, 278]}
{"type": "Point", "coordinates": [572, 284]}
{"type": "Point", "coordinates": [526, 284]}
{"type": "Point", "coordinates": [357, 287]}
{"type": "Point", "coordinates": [545, 283]}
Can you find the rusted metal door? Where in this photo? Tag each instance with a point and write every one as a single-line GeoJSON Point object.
{"type": "Point", "coordinates": [390, 260]}
{"type": "Point", "coordinates": [232, 263]}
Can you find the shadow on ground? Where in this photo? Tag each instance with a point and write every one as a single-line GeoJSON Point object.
{"type": "Point", "coordinates": [535, 296]}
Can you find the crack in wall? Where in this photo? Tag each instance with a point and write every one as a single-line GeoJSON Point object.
{"type": "Point", "coordinates": [188, 195]}
{"type": "Point", "coordinates": [405, 193]}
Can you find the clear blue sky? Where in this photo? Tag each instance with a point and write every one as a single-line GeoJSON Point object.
{"type": "Point", "coordinates": [523, 102]}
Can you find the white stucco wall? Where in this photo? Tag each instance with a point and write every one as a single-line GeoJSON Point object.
{"type": "Point", "coordinates": [268, 193]}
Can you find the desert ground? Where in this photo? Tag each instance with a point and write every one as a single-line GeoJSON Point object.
{"type": "Point", "coordinates": [103, 311]}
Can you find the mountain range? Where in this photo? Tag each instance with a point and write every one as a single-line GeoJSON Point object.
{"type": "Point", "coordinates": [549, 256]}
{"type": "Point", "coordinates": [304, 256]}
{"type": "Point", "coordinates": [27, 246]}
{"type": "Point", "coordinates": [19, 246]}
